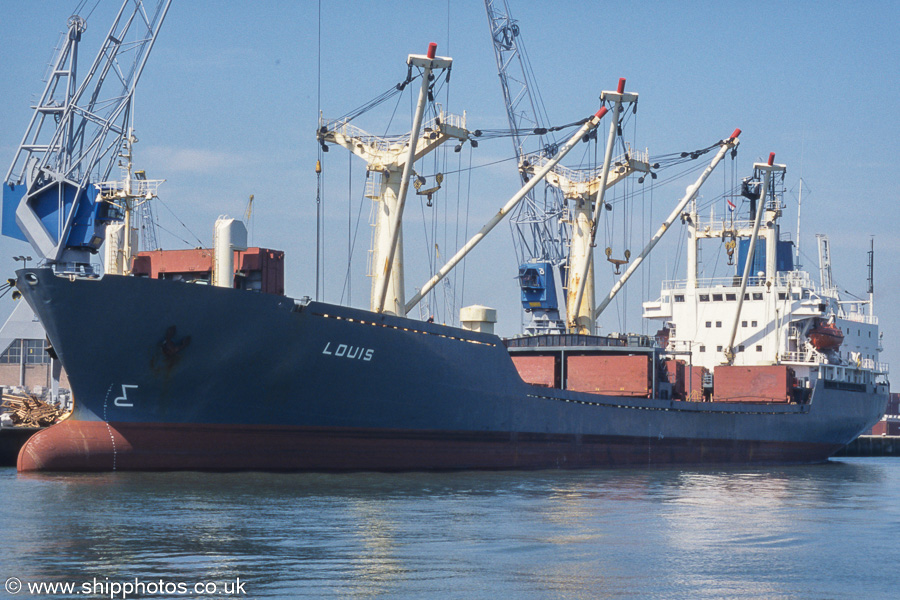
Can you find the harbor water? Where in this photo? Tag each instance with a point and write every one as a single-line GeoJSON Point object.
{"type": "Point", "coordinates": [821, 531]}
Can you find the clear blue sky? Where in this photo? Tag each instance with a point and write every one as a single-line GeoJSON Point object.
{"type": "Point", "coordinates": [228, 107]}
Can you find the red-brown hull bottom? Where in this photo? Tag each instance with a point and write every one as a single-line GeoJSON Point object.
{"type": "Point", "coordinates": [98, 446]}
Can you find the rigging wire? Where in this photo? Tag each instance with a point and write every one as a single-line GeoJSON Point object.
{"type": "Point", "coordinates": [490, 134]}
{"type": "Point", "coordinates": [320, 155]}
{"type": "Point", "coordinates": [173, 234]}
{"type": "Point", "coordinates": [194, 235]}
{"type": "Point", "coordinates": [383, 97]}
{"type": "Point", "coordinates": [355, 234]}
{"type": "Point", "coordinates": [456, 233]}
{"type": "Point", "coordinates": [349, 225]}
{"type": "Point", "coordinates": [440, 85]}
{"type": "Point", "coordinates": [462, 294]}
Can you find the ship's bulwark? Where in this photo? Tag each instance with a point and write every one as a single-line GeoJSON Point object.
{"type": "Point", "coordinates": [170, 375]}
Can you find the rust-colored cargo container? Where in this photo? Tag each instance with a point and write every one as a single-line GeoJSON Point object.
{"type": "Point", "coordinates": [761, 383]}
{"type": "Point", "coordinates": [693, 383]}
{"type": "Point", "coordinates": [886, 428]}
{"type": "Point", "coordinates": [675, 376]}
{"type": "Point", "coordinates": [257, 269]}
{"type": "Point", "coordinates": [537, 370]}
{"type": "Point", "coordinates": [615, 375]}
{"type": "Point", "coordinates": [263, 270]}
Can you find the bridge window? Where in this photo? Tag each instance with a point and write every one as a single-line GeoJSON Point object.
{"type": "Point", "coordinates": [704, 297]}
{"type": "Point", "coordinates": [717, 297]}
{"type": "Point", "coordinates": [679, 297]}
{"type": "Point", "coordinates": [757, 295]}
{"type": "Point", "coordinates": [731, 297]}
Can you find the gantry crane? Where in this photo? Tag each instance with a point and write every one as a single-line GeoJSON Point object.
{"type": "Point", "coordinates": [57, 182]}
{"type": "Point", "coordinates": [540, 234]}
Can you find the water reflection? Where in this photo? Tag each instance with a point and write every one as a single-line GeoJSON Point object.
{"type": "Point", "coordinates": [706, 533]}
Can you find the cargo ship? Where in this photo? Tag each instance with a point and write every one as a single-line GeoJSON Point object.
{"type": "Point", "coordinates": [215, 377]}
{"type": "Point", "coordinates": [297, 385]}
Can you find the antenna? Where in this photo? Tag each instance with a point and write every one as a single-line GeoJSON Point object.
{"type": "Point", "coordinates": [871, 287]}
{"type": "Point", "coordinates": [824, 263]}
{"type": "Point", "coordinates": [799, 205]}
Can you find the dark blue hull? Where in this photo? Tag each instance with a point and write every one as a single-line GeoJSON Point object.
{"type": "Point", "coordinates": [170, 375]}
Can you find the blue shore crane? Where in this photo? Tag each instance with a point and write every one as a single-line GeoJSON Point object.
{"type": "Point", "coordinates": [52, 195]}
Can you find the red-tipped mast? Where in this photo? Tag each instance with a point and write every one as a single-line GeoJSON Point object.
{"type": "Point", "coordinates": [600, 113]}
{"type": "Point", "coordinates": [432, 48]}
{"type": "Point", "coordinates": [621, 88]}
{"type": "Point", "coordinates": [736, 133]}
{"type": "Point", "coordinates": [771, 158]}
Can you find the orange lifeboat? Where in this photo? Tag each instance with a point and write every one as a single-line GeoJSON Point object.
{"type": "Point", "coordinates": [826, 336]}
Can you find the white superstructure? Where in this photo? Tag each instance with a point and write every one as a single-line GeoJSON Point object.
{"type": "Point", "coordinates": [782, 310]}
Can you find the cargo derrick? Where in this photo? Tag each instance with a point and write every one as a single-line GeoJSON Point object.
{"type": "Point", "coordinates": [393, 159]}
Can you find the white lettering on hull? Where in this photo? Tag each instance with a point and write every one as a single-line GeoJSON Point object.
{"type": "Point", "coordinates": [348, 351]}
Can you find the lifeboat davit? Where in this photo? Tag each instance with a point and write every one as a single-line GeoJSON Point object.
{"type": "Point", "coordinates": [826, 336]}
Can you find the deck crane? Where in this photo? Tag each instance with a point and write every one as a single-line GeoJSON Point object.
{"type": "Point", "coordinates": [55, 184]}
{"type": "Point", "coordinates": [540, 234]}
{"type": "Point", "coordinates": [581, 189]}
{"type": "Point", "coordinates": [392, 160]}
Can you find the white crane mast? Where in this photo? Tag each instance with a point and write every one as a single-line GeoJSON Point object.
{"type": "Point", "coordinates": [394, 160]}
{"type": "Point", "coordinates": [581, 190]}
{"type": "Point", "coordinates": [580, 318]}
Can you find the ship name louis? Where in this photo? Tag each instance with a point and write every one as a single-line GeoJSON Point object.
{"type": "Point", "coordinates": [345, 351]}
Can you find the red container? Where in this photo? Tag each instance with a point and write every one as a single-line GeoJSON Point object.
{"type": "Point", "coordinates": [762, 383]}
{"type": "Point", "coordinates": [614, 375]}
{"type": "Point", "coordinates": [537, 370]}
{"type": "Point", "coordinates": [264, 264]}
{"type": "Point", "coordinates": [893, 406]}
{"type": "Point", "coordinates": [886, 428]}
{"type": "Point", "coordinates": [675, 376]}
{"type": "Point", "coordinates": [195, 263]}
{"type": "Point", "coordinates": [693, 383]}
{"type": "Point", "coordinates": [257, 268]}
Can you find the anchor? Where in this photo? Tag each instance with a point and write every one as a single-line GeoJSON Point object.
{"type": "Point", "coordinates": [170, 347]}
